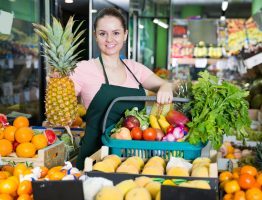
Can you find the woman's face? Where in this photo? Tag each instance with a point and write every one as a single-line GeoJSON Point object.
{"type": "Point", "coordinates": [110, 35]}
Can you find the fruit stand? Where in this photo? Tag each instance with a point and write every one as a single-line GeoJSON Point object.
{"type": "Point", "coordinates": [206, 144]}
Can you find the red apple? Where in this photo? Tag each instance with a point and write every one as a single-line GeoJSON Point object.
{"type": "Point", "coordinates": [175, 117]}
{"type": "Point", "coordinates": [131, 122]}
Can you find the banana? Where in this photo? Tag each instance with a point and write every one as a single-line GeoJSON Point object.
{"type": "Point", "coordinates": [153, 121]}
{"type": "Point", "coordinates": [163, 123]}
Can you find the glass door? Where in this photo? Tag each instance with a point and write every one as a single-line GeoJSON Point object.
{"type": "Point", "coordinates": [20, 71]}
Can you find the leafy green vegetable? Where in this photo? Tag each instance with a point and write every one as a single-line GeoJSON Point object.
{"type": "Point", "coordinates": [140, 115]}
{"type": "Point", "coordinates": [218, 108]}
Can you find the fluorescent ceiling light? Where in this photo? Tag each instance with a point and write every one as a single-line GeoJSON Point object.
{"type": "Point", "coordinates": [155, 21]}
{"type": "Point", "coordinates": [224, 5]}
{"type": "Point", "coordinates": [93, 11]}
{"type": "Point", "coordinates": [69, 1]}
{"type": "Point", "coordinates": [223, 18]}
{"type": "Point", "coordinates": [160, 23]}
{"type": "Point", "coordinates": [140, 26]}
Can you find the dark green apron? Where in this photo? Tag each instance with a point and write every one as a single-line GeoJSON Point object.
{"type": "Point", "coordinates": [91, 141]}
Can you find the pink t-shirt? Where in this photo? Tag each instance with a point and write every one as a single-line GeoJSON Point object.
{"type": "Point", "coordinates": [88, 78]}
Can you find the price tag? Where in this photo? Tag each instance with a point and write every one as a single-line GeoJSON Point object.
{"type": "Point", "coordinates": [6, 21]}
{"type": "Point", "coordinates": [253, 61]}
{"type": "Point", "coordinates": [200, 62]}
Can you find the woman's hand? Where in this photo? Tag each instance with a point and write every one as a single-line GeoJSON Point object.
{"type": "Point", "coordinates": [165, 93]}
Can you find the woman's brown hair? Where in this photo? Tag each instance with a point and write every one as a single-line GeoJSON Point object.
{"type": "Point", "coordinates": [110, 12]}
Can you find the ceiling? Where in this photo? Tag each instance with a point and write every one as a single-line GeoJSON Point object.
{"type": "Point", "coordinates": [211, 8]}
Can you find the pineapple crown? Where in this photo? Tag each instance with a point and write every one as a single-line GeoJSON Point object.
{"type": "Point", "coordinates": [60, 44]}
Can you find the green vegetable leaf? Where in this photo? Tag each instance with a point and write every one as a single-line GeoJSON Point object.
{"type": "Point", "coordinates": [218, 108]}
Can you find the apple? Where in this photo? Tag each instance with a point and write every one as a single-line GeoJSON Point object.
{"type": "Point", "coordinates": [176, 117]}
{"type": "Point", "coordinates": [131, 122]}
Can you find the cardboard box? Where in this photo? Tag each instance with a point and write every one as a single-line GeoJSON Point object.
{"type": "Point", "coordinates": [50, 156]}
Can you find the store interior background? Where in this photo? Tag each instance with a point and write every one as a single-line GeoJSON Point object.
{"type": "Point", "coordinates": [23, 70]}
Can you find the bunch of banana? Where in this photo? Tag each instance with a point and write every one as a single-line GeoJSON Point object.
{"type": "Point", "coordinates": [161, 109]}
{"type": "Point", "coordinates": [160, 123]}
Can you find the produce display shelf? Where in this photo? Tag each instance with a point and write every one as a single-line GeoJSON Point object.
{"type": "Point", "coordinates": [52, 155]}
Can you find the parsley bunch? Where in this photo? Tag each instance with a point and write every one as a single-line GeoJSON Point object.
{"type": "Point", "coordinates": [217, 108]}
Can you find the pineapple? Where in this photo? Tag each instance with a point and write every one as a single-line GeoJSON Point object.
{"type": "Point", "coordinates": [59, 46]}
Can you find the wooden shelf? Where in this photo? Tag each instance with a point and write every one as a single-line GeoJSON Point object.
{"type": "Point", "coordinates": [191, 61]}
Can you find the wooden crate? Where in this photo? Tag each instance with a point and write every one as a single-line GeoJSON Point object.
{"type": "Point", "coordinates": [50, 156]}
{"type": "Point", "coordinates": [104, 151]}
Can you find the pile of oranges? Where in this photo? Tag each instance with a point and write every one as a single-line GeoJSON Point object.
{"type": "Point", "coordinates": [244, 183]}
{"type": "Point", "coordinates": [11, 186]}
{"type": "Point", "coordinates": [20, 138]}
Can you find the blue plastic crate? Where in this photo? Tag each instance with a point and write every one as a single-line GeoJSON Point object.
{"type": "Point", "coordinates": [147, 149]}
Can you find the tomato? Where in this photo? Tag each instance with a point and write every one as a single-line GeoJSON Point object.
{"type": "Point", "coordinates": [149, 134]}
{"type": "Point", "coordinates": [231, 187]}
{"type": "Point", "coordinates": [136, 133]}
{"type": "Point", "coordinates": [170, 129]}
{"type": "Point", "coordinates": [246, 181]}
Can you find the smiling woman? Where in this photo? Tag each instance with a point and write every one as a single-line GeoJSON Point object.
{"type": "Point", "coordinates": [99, 81]}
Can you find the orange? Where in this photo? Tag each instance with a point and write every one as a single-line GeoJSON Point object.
{"type": "Point", "coordinates": [57, 176]}
{"type": "Point", "coordinates": [230, 156]}
{"type": "Point", "coordinates": [3, 175]}
{"type": "Point", "coordinates": [235, 175]}
{"type": "Point", "coordinates": [246, 181]}
{"type": "Point", "coordinates": [256, 185]}
{"type": "Point", "coordinates": [225, 176]}
{"type": "Point", "coordinates": [25, 187]}
{"type": "Point", "coordinates": [237, 169]}
{"type": "Point", "coordinates": [44, 171]}
{"type": "Point", "coordinates": [9, 133]}
{"type": "Point", "coordinates": [54, 169]}
{"type": "Point", "coordinates": [253, 194]}
{"type": "Point", "coordinates": [8, 186]}
{"type": "Point", "coordinates": [230, 149]}
{"type": "Point", "coordinates": [25, 150]}
{"type": "Point", "coordinates": [231, 187]}
{"type": "Point", "coordinates": [24, 197]}
{"type": "Point", "coordinates": [8, 168]}
{"type": "Point", "coordinates": [6, 197]}
{"type": "Point", "coordinates": [248, 169]}
{"type": "Point", "coordinates": [259, 179]}
{"type": "Point", "coordinates": [228, 197]}
{"type": "Point", "coordinates": [15, 179]}
{"type": "Point", "coordinates": [21, 121]}
{"type": "Point", "coordinates": [28, 171]}
{"type": "Point", "coordinates": [6, 147]}
{"type": "Point", "coordinates": [24, 134]}
{"type": "Point", "coordinates": [2, 133]}
{"type": "Point", "coordinates": [239, 195]}
{"type": "Point", "coordinates": [222, 184]}
{"type": "Point", "coordinates": [39, 141]}
{"type": "Point", "coordinates": [19, 169]}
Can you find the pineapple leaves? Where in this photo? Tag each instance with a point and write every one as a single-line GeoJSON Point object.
{"type": "Point", "coordinates": [218, 108]}
{"type": "Point", "coordinates": [60, 44]}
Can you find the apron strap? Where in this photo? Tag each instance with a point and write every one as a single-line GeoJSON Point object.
{"type": "Point", "coordinates": [140, 85]}
{"type": "Point", "coordinates": [101, 61]}
{"type": "Point", "coordinates": [106, 78]}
